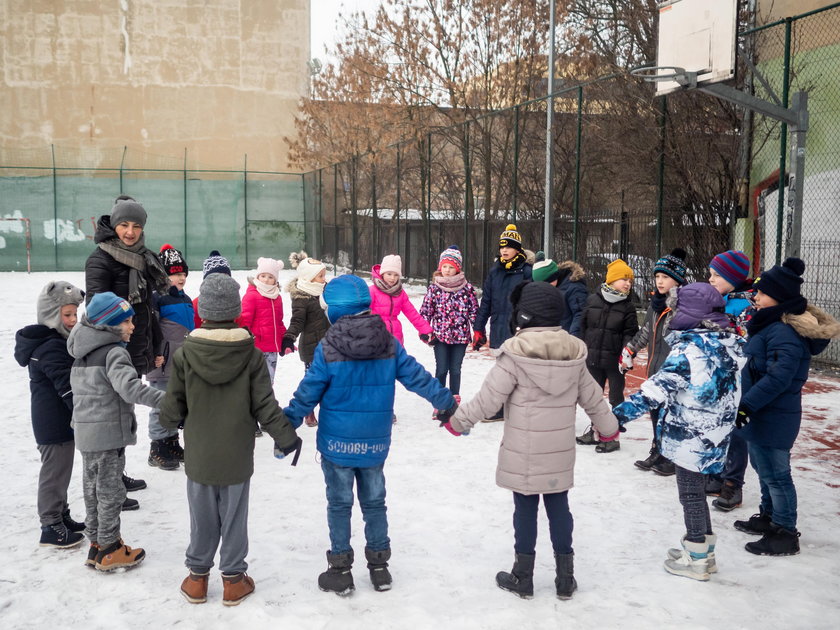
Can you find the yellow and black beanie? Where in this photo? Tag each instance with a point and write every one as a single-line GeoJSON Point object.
{"type": "Point", "coordinates": [510, 238]}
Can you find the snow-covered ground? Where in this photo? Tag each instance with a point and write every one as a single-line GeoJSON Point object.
{"type": "Point", "coordinates": [450, 527]}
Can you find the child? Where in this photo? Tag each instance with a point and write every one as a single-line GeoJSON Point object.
{"type": "Point", "coordinates": [105, 388]}
{"type": "Point", "coordinates": [352, 376]}
{"type": "Point", "coordinates": [668, 273]}
{"type": "Point", "coordinates": [388, 299]}
{"type": "Point", "coordinates": [450, 306]}
{"type": "Point", "coordinates": [262, 311]}
{"type": "Point", "coordinates": [308, 318]}
{"type": "Point", "coordinates": [42, 348]}
{"type": "Point", "coordinates": [570, 278]}
{"type": "Point", "coordinates": [176, 321]}
{"type": "Point", "coordinates": [214, 263]}
{"type": "Point", "coordinates": [696, 392]}
{"type": "Point", "coordinates": [784, 333]}
{"type": "Point", "coordinates": [540, 376]}
{"type": "Point", "coordinates": [219, 389]}
{"type": "Point", "coordinates": [607, 324]}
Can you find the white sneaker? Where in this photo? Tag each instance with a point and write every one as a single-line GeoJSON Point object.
{"type": "Point", "coordinates": [711, 539]}
{"type": "Point", "coordinates": [693, 561]}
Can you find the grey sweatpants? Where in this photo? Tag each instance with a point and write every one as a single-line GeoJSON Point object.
{"type": "Point", "coordinates": [218, 512]}
{"type": "Point", "coordinates": [54, 479]}
{"type": "Point", "coordinates": [104, 494]}
{"type": "Point", "coordinates": [157, 432]}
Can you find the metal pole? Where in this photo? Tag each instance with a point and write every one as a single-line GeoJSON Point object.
{"type": "Point", "coordinates": [797, 183]}
{"type": "Point", "coordinates": [515, 183]}
{"type": "Point", "coordinates": [576, 207]}
{"type": "Point", "coordinates": [429, 211]}
{"type": "Point", "coordinates": [548, 232]}
{"type": "Point", "coordinates": [399, 182]}
{"type": "Point", "coordinates": [122, 162]}
{"type": "Point", "coordinates": [780, 206]}
{"type": "Point", "coordinates": [55, 208]}
{"type": "Point", "coordinates": [353, 201]}
{"type": "Point", "coordinates": [245, 204]}
{"type": "Point", "coordinates": [335, 218]}
{"type": "Point", "coordinates": [185, 201]}
{"type": "Point", "coordinates": [319, 225]}
{"type": "Point", "coordinates": [660, 193]}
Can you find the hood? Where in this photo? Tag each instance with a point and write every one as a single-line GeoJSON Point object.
{"type": "Point", "coordinates": [576, 272]}
{"type": "Point", "coordinates": [815, 325]}
{"type": "Point", "coordinates": [375, 273]}
{"type": "Point", "coordinates": [360, 337]}
{"type": "Point", "coordinates": [545, 355]}
{"type": "Point", "coordinates": [530, 256]}
{"type": "Point", "coordinates": [85, 338]}
{"type": "Point", "coordinates": [29, 339]}
{"type": "Point", "coordinates": [104, 231]}
{"type": "Point", "coordinates": [216, 354]}
{"type": "Point", "coordinates": [727, 338]}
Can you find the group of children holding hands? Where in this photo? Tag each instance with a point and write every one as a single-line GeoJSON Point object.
{"type": "Point", "coordinates": [714, 376]}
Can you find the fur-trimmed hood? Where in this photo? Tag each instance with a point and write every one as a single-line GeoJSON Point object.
{"type": "Point", "coordinates": [295, 291]}
{"type": "Point", "coordinates": [576, 272]}
{"type": "Point", "coordinates": [814, 323]}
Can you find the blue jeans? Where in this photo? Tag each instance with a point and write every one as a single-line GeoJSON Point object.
{"type": "Point", "coordinates": [370, 485]}
{"type": "Point", "coordinates": [560, 521]}
{"type": "Point", "coordinates": [448, 360]}
{"type": "Point", "coordinates": [778, 494]}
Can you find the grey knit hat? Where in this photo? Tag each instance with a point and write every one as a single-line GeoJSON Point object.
{"type": "Point", "coordinates": [125, 210]}
{"type": "Point", "coordinates": [218, 299]}
{"type": "Point", "coordinates": [53, 296]}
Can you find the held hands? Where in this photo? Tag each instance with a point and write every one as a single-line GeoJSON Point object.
{"type": "Point", "coordinates": [479, 340]}
{"type": "Point", "coordinates": [159, 360]}
{"type": "Point", "coordinates": [429, 339]}
{"type": "Point", "coordinates": [625, 361]}
{"type": "Point", "coordinates": [281, 452]}
{"type": "Point", "coordinates": [742, 418]}
{"type": "Point", "coordinates": [287, 346]}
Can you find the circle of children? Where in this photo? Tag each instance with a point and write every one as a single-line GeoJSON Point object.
{"type": "Point", "coordinates": [726, 362]}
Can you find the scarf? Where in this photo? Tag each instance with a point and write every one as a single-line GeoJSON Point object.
{"type": "Point", "coordinates": [611, 295]}
{"type": "Point", "coordinates": [451, 284]}
{"type": "Point", "coordinates": [311, 288]}
{"type": "Point", "coordinates": [514, 263]}
{"type": "Point", "coordinates": [270, 291]}
{"type": "Point", "coordinates": [380, 284]}
{"type": "Point", "coordinates": [140, 261]}
{"type": "Point", "coordinates": [657, 302]}
{"type": "Point", "coordinates": [763, 317]}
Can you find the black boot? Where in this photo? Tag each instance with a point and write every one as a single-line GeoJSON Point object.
{"type": "Point", "coordinates": [520, 580]}
{"type": "Point", "coordinates": [338, 578]}
{"type": "Point", "coordinates": [777, 542]}
{"type": "Point", "coordinates": [132, 485]}
{"type": "Point", "coordinates": [565, 581]}
{"type": "Point", "coordinates": [663, 466]}
{"type": "Point", "coordinates": [70, 524]}
{"type": "Point", "coordinates": [730, 497]}
{"type": "Point", "coordinates": [757, 525]}
{"type": "Point", "coordinates": [57, 535]}
{"type": "Point", "coordinates": [380, 577]}
{"type": "Point", "coordinates": [175, 448]}
{"type": "Point", "coordinates": [645, 464]}
{"type": "Point", "coordinates": [161, 457]}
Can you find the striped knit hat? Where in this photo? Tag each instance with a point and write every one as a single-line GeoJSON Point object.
{"type": "Point", "coordinates": [510, 238]}
{"type": "Point", "coordinates": [216, 263]}
{"type": "Point", "coordinates": [733, 266]}
{"type": "Point", "coordinates": [108, 309]}
{"type": "Point", "coordinates": [544, 270]}
{"type": "Point", "coordinates": [452, 256]}
{"type": "Point", "coordinates": [672, 265]}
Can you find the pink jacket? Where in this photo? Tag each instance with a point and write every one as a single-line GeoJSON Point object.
{"type": "Point", "coordinates": [264, 318]}
{"type": "Point", "coordinates": [389, 307]}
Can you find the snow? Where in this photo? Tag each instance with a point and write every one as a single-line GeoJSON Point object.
{"type": "Point", "coordinates": [450, 526]}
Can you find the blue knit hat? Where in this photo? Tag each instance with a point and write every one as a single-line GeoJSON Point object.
{"type": "Point", "coordinates": [345, 295]}
{"type": "Point", "coordinates": [108, 309]}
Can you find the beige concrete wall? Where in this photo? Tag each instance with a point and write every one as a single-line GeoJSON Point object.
{"type": "Point", "coordinates": [772, 10]}
{"type": "Point", "coordinates": [220, 78]}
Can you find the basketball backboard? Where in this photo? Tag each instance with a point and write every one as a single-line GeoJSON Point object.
{"type": "Point", "coordinates": [699, 36]}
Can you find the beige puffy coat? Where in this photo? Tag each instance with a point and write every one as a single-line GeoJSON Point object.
{"type": "Point", "coordinates": [540, 376]}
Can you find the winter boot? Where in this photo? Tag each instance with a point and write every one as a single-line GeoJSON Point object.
{"type": "Point", "coordinates": [713, 486]}
{"type": "Point", "coordinates": [645, 464]}
{"type": "Point", "coordinates": [757, 525]}
{"type": "Point", "coordinates": [777, 542]}
{"type": "Point", "coordinates": [161, 457]}
{"type": "Point", "coordinates": [663, 467]}
{"type": "Point", "coordinates": [57, 535]}
{"type": "Point", "coordinates": [608, 447]}
{"type": "Point", "coordinates": [588, 438]}
{"type": "Point", "coordinates": [175, 448]}
{"type": "Point", "coordinates": [711, 539]}
{"type": "Point", "coordinates": [237, 586]}
{"type": "Point", "coordinates": [693, 561]}
{"type": "Point", "coordinates": [92, 553]}
{"type": "Point", "coordinates": [337, 578]}
{"type": "Point", "coordinates": [377, 561]}
{"type": "Point", "coordinates": [520, 580]}
{"type": "Point", "coordinates": [565, 582]}
{"type": "Point", "coordinates": [194, 587]}
{"type": "Point", "coordinates": [730, 497]}
{"type": "Point", "coordinates": [129, 505]}
{"type": "Point", "coordinates": [118, 555]}
{"type": "Point", "coordinates": [132, 485]}
{"type": "Point", "coordinates": [70, 524]}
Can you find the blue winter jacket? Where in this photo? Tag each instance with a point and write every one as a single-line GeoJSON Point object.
{"type": "Point", "coordinates": [778, 359]}
{"type": "Point", "coordinates": [575, 293]}
{"type": "Point", "coordinates": [44, 351]}
{"type": "Point", "coordinates": [352, 377]}
{"type": "Point", "coordinates": [697, 391]}
{"type": "Point", "coordinates": [495, 300]}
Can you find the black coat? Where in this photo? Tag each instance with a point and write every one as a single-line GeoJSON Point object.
{"type": "Point", "coordinates": [308, 320]}
{"type": "Point", "coordinates": [44, 351]}
{"type": "Point", "coordinates": [103, 273]}
{"type": "Point", "coordinates": [606, 328]}
{"type": "Point", "coordinates": [495, 300]}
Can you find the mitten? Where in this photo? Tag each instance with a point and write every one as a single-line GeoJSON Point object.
{"type": "Point", "coordinates": [287, 346]}
{"type": "Point", "coordinates": [625, 361]}
{"type": "Point", "coordinates": [428, 339]}
{"type": "Point", "coordinates": [443, 415]}
{"type": "Point", "coordinates": [479, 339]}
{"type": "Point", "coordinates": [448, 426]}
{"type": "Point", "coordinates": [281, 452]}
{"type": "Point", "coordinates": [742, 418]}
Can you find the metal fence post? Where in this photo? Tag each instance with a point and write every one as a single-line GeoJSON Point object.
{"type": "Point", "coordinates": [780, 206]}
{"type": "Point", "coordinates": [245, 206]}
{"type": "Point", "coordinates": [335, 218]}
{"type": "Point", "coordinates": [660, 193]}
{"type": "Point", "coordinates": [122, 162]}
{"type": "Point", "coordinates": [578, 143]}
{"type": "Point", "coordinates": [55, 207]}
{"type": "Point", "coordinates": [515, 183]}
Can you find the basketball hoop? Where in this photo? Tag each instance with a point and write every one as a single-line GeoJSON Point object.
{"type": "Point", "coordinates": [654, 74]}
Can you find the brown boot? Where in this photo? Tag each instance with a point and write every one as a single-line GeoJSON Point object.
{"type": "Point", "coordinates": [194, 587]}
{"type": "Point", "coordinates": [237, 587]}
{"type": "Point", "coordinates": [118, 555]}
{"type": "Point", "coordinates": [92, 553]}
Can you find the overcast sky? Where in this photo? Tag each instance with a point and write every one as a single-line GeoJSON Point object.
{"type": "Point", "coordinates": [325, 20]}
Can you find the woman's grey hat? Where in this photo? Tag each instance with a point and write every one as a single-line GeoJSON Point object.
{"type": "Point", "coordinates": [218, 299]}
{"type": "Point", "coordinates": [125, 210]}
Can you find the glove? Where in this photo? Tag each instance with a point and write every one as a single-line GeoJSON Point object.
{"type": "Point", "coordinates": [448, 426]}
{"type": "Point", "coordinates": [428, 339]}
{"type": "Point", "coordinates": [479, 339]}
{"type": "Point", "coordinates": [625, 361]}
{"type": "Point", "coordinates": [281, 452]}
{"type": "Point", "coordinates": [443, 415]}
{"type": "Point", "coordinates": [287, 346]}
{"type": "Point", "coordinates": [742, 418]}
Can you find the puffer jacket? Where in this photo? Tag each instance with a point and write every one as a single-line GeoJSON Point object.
{"type": "Point", "coordinates": [605, 328]}
{"type": "Point", "coordinates": [308, 320]}
{"type": "Point", "coordinates": [575, 293]}
{"type": "Point", "coordinates": [540, 377]}
{"type": "Point", "coordinates": [495, 303]}
{"type": "Point", "coordinates": [697, 391]}
{"type": "Point", "coordinates": [450, 313]}
{"type": "Point", "coordinates": [264, 318]}
{"type": "Point", "coordinates": [44, 352]}
{"type": "Point", "coordinates": [779, 356]}
{"type": "Point", "coordinates": [389, 307]}
{"type": "Point", "coordinates": [652, 336]}
{"type": "Point", "coordinates": [176, 322]}
{"type": "Point", "coordinates": [105, 389]}
{"type": "Point", "coordinates": [352, 377]}
{"type": "Point", "coordinates": [219, 388]}
{"type": "Point", "coordinates": [103, 273]}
